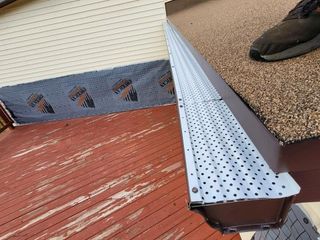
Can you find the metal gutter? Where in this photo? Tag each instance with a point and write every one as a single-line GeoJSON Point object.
{"type": "Point", "coordinates": [229, 181]}
{"type": "Point", "coordinates": [294, 157]}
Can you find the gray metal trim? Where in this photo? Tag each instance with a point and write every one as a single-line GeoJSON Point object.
{"type": "Point", "coordinates": [222, 163]}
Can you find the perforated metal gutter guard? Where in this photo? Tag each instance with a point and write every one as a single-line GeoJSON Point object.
{"type": "Point", "coordinates": [229, 182]}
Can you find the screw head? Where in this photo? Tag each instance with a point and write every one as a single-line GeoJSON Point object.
{"type": "Point", "coordinates": [306, 220]}
{"type": "Point", "coordinates": [195, 190]}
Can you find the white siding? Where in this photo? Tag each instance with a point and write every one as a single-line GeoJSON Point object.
{"type": "Point", "coordinates": [42, 39]}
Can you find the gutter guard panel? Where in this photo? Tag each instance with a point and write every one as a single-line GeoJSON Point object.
{"type": "Point", "coordinates": [225, 171]}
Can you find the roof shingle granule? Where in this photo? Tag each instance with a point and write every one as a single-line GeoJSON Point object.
{"type": "Point", "coordinates": [285, 95]}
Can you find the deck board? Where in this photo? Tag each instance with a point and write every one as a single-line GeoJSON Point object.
{"type": "Point", "coordinates": [118, 176]}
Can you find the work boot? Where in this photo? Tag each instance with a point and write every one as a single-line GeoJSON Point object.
{"type": "Point", "coordinates": [297, 34]}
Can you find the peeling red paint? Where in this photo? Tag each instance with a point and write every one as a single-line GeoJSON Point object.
{"type": "Point", "coordinates": [119, 176]}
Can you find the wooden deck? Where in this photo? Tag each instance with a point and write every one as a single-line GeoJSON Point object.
{"type": "Point", "coordinates": [118, 176]}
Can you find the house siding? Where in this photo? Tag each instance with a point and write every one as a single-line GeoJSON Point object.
{"type": "Point", "coordinates": [44, 39]}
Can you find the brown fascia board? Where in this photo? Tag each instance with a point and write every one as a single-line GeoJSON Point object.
{"type": "Point", "coordinates": [310, 186]}
{"type": "Point", "coordinates": [232, 217]}
{"type": "Point", "coordinates": [4, 3]}
{"type": "Point", "coordinates": [294, 157]}
{"type": "Point", "coordinates": [5, 117]}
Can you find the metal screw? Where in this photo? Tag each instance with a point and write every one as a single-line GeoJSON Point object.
{"type": "Point", "coordinates": [194, 190]}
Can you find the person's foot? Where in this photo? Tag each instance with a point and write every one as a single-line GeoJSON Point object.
{"type": "Point", "coordinates": [297, 34]}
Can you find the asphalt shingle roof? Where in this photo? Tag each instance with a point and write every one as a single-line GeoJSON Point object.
{"type": "Point", "coordinates": [285, 95]}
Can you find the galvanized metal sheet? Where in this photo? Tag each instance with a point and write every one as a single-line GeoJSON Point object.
{"type": "Point", "coordinates": [222, 162]}
{"type": "Point", "coordinates": [195, 85]}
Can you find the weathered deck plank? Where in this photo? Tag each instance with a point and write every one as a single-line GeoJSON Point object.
{"type": "Point", "coordinates": [119, 176]}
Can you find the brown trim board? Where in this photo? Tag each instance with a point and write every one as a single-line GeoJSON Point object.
{"type": "Point", "coordinates": [310, 186]}
{"type": "Point", "coordinates": [6, 118]}
{"type": "Point", "coordinates": [248, 215]}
